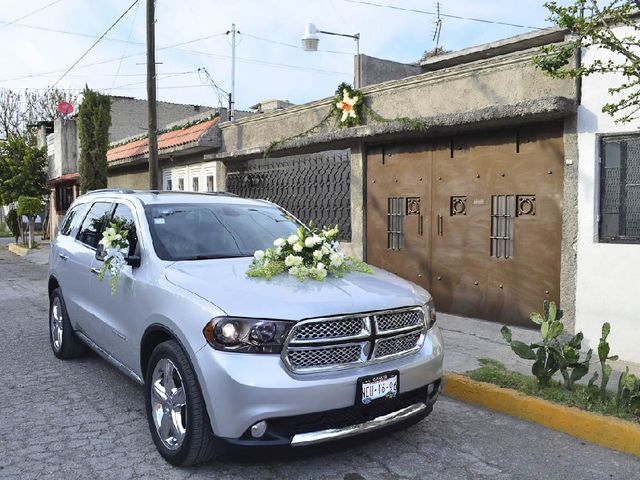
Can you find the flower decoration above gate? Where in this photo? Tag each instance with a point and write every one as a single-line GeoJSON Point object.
{"type": "Point", "coordinates": [309, 253]}
{"type": "Point", "coordinates": [347, 105]}
{"type": "Point", "coordinates": [116, 248]}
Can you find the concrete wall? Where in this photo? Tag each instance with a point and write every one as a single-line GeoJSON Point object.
{"type": "Point", "coordinates": [507, 80]}
{"type": "Point", "coordinates": [607, 282]}
{"type": "Point", "coordinates": [129, 116]}
{"type": "Point", "coordinates": [65, 148]}
{"type": "Point", "coordinates": [134, 177]}
{"type": "Point", "coordinates": [377, 70]}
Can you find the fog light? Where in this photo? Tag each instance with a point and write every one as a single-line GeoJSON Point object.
{"type": "Point", "coordinates": [259, 429]}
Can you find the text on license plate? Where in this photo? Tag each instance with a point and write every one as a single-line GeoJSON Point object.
{"type": "Point", "coordinates": [378, 387]}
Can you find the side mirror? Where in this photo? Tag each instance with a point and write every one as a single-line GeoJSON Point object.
{"type": "Point", "coordinates": [133, 260]}
{"type": "Point", "coordinates": [100, 253]}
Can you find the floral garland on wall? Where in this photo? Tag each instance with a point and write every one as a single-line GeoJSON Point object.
{"type": "Point", "coordinates": [349, 109]}
{"type": "Point", "coordinates": [307, 254]}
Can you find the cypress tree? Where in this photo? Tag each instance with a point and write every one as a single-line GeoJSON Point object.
{"type": "Point", "coordinates": [94, 120]}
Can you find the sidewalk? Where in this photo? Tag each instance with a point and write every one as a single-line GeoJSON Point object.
{"type": "Point", "coordinates": [467, 339]}
{"type": "Point", "coordinates": [39, 256]}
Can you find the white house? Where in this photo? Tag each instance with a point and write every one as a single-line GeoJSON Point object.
{"type": "Point", "coordinates": [608, 247]}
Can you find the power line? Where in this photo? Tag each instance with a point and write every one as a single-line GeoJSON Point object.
{"type": "Point", "coordinates": [95, 43]}
{"type": "Point", "coordinates": [433, 14]}
{"type": "Point", "coordinates": [33, 12]}
{"type": "Point", "coordinates": [124, 50]}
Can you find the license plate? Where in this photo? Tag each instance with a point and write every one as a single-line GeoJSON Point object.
{"type": "Point", "coordinates": [383, 385]}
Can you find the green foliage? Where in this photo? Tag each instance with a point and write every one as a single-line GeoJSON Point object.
{"type": "Point", "coordinates": [551, 355]}
{"type": "Point", "coordinates": [23, 170]}
{"type": "Point", "coordinates": [628, 395]}
{"type": "Point", "coordinates": [94, 119]}
{"type": "Point", "coordinates": [13, 223]}
{"type": "Point", "coordinates": [343, 91]}
{"type": "Point", "coordinates": [29, 206]}
{"type": "Point", "coordinates": [494, 372]}
{"type": "Point", "coordinates": [590, 24]}
{"type": "Point", "coordinates": [603, 356]}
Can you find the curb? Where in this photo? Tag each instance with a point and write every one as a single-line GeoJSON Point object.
{"type": "Point", "coordinates": [602, 430]}
{"type": "Point", "coordinates": [18, 250]}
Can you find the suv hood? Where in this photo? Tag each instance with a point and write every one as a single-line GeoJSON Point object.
{"type": "Point", "coordinates": [224, 283]}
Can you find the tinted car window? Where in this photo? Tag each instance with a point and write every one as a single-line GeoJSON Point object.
{"type": "Point", "coordinates": [193, 232]}
{"type": "Point", "coordinates": [124, 214]}
{"type": "Point", "coordinates": [73, 219]}
{"type": "Point", "coordinates": [94, 223]}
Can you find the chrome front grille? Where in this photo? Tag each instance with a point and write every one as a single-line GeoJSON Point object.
{"type": "Point", "coordinates": [325, 356]}
{"type": "Point", "coordinates": [407, 319]}
{"type": "Point", "coordinates": [391, 346]}
{"type": "Point", "coordinates": [344, 327]}
{"type": "Point", "coordinates": [341, 342]}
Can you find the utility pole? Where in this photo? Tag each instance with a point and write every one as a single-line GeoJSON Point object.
{"type": "Point", "coordinates": [232, 96]}
{"type": "Point", "coordinates": [151, 96]}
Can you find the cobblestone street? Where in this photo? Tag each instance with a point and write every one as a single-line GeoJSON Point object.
{"type": "Point", "coordinates": [82, 419]}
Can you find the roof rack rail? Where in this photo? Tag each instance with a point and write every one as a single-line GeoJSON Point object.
{"type": "Point", "coordinates": [183, 192]}
{"type": "Point", "coordinates": [109, 190]}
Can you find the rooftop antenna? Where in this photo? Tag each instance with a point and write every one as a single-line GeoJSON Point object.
{"type": "Point", "coordinates": [437, 27]}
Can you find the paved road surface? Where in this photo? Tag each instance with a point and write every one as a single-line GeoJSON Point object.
{"type": "Point", "coordinates": [82, 419]}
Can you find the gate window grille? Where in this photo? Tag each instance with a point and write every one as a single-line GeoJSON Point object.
{"type": "Point", "coordinates": [620, 189]}
{"type": "Point", "coordinates": [397, 207]}
{"type": "Point", "coordinates": [312, 187]}
{"type": "Point", "coordinates": [503, 209]}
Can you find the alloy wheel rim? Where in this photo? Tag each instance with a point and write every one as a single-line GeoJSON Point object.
{"type": "Point", "coordinates": [168, 404]}
{"type": "Point", "coordinates": [56, 324]}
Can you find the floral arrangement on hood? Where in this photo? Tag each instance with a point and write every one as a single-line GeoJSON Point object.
{"type": "Point", "coordinates": [307, 254]}
{"type": "Point", "coordinates": [116, 248]}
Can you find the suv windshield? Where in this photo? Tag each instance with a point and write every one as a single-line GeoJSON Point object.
{"type": "Point", "coordinates": [203, 231]}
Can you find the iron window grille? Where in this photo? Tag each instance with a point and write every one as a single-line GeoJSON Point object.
{"type": "Point", "coordinates": [181, 184]}
{"type": "Point", "coordinates": [619, 207]}
{"type": "Point", "coordinates": [503, 209]}
{"type": "Point", "coordinates": [397, 207]}
{"type": "Point", "coordinates": [195, 183]}
{"type": "Point", "coordinates": [209, 183]}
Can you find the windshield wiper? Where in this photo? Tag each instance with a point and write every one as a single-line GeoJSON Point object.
{"type": "Point", "coordinates": [212, 257]}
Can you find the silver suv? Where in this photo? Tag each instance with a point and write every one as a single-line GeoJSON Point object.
{"type": "Point", "coordinates": [225, 358]}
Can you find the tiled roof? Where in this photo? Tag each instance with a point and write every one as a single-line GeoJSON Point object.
{"type": "Point", "coordinates": [174, 138]}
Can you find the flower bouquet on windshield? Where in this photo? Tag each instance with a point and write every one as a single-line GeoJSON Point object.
{"type": "Point", "coordinates": [116, 248]}
{"type": "Point", "coordinates": [308, 254]}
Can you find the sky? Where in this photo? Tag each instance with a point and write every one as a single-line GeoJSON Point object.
{"type": "Point", "coordinates": [270, 63]}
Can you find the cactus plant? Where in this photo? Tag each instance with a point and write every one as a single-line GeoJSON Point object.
{"type": "Point", "coordinates": [628, 391]}
{"type": "Point", "coordinates": [551, 355]}
{"type": "Point", "coordinates": [603, 356]}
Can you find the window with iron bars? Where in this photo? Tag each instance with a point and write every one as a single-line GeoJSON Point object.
{"type": "Point", "coordinates": [620, 189]}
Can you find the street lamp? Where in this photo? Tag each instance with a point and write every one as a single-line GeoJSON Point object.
{"type": "Point", "coordinates": [310, 42]}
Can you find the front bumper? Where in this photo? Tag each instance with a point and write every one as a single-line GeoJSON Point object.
{"type": "Point", "coordinates": [242, 389]}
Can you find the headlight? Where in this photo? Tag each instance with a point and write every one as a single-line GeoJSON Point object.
{"type": "Point", "coordinates": [248, 335]}
{"type": "Point", "coordinates": [429, 310]}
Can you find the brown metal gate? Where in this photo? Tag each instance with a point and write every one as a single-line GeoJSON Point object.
{"type": "Point", "coordinates": [478, 217]}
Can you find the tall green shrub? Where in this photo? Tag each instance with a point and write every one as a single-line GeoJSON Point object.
{"type": "Point", "coordinates": [23, 170]}
{"type": "Point", "coordinates": [94, 120]}
{"type": "Point", "coordinates": [30, 207]}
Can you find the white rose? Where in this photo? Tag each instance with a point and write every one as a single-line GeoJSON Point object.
{"type": "Point", "coordinates": [293, 271]}
{"type": "Point", "coordinates": [321, 273]}
{"type": "Point", "coordinates": [336, 259]}
{"type": "Point", "coordinates": [320, 266]}
{"type": "Point", "coordinates": [279, 242]}
{"type": "Point", "coordinates": [309, 242]}
{"type": "Point", "coordinates": [279, 251]}
{"type": "Point", "coordinates": [297, 247]}
{"type": "Point", "coordinates": [258, 255]}
{"type": "Point", "coordinates": [292, 239]}
{"type": "Point", "coordinates": [317, 254]}
{"type": "Point", "coordinates": [292, 261]}
{"type": "Point", "coordinates": [317, 240]}
{"type": "Point", "coordinates": [326, 250]}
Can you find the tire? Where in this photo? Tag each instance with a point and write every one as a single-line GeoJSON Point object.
{"type": "Point", "coordinates": [64, 342]}
{"type": "Point", "coordinates": [176, 411]}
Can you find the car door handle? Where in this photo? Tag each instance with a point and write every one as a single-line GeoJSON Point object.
{"type": "Point", "coordinates": [95, 271]}
{"type": "Point", "coordinates": [63, 256]}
